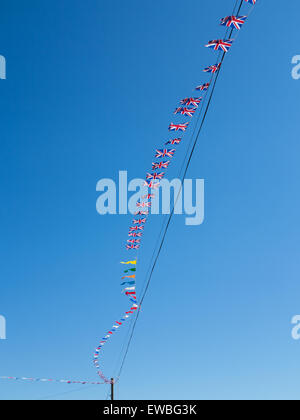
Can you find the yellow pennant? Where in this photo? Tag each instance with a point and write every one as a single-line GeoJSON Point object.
{"type": "Point", "coordinates": [129, 262]}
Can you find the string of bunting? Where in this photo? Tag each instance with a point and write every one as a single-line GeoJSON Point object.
{"type": "Point", "coordinates": [163, 156]}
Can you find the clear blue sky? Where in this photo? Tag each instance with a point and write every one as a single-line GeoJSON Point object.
{"type": "Point", "coordinates": [90, 90]}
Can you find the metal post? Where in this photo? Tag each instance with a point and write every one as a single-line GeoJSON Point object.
{"type": "Point", "coordinates": [112, 389]}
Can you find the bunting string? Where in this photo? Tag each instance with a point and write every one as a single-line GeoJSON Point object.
{"type": "Point", "coordinates": [61, 381]}
{"type": "Point", "coordinates": [188, 108]}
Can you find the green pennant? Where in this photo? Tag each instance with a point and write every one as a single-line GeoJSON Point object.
{"type": "Point", "coordinates": [131, 269]}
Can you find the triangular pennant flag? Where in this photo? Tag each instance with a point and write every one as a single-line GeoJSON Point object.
{"type": "Point", "coordinates": [129, 262]}
{"type": "Point", "coordinates": [130, 269]}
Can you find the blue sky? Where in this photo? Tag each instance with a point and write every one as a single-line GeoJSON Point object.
{"type": "Point", "coordinates": [90, 89]}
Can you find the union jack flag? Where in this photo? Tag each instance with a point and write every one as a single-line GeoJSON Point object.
{"type": "Point", "coordinates": [143, 204]}
{"type": "Point", "coordinates": [141, 213]}
{"type": "Point", "coordinates": [135, 234]}
{"type": "Point", "coordinates": [148, 196]}
{"type": "Point", "coordinates": [212, 69]}
{"type": "Point", "coordinates": [160, 165]}
{"type": "Point", "coordinates": [161, 153]}
{"type": "Point", "coordinates": [191, 101]}
{"type": "Point", "coordinates": [156, 175]}
{"type": "Point", "coordinates": [188, 111]}
{"type": "Point", "coordinates": [173, 142]}
{"type": "Point", "coordinates": [139, 221]}
{"type": "Point", "coordinates": [152, 185]}
{"type": "Point", "coordinates": [203, 87]}
{"type": "Point", "coordinates": [136, 228]}
{"type": "Point", "coordinates": [233, 21]}
{"type": "Point", "coordinates": [220, 44]}
{"type": "Point", "coordinates": [178, 127]}
{"type": "Point", "coordinates": [134, 241]}
{"type": "Point", "coordinates": [251, 1]}
{"type": "Point", "coordinates": [132, 247]}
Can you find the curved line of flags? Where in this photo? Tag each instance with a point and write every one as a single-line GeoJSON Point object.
{"type": "Point", "coordinates": [187, 108]}
{"type": "Point", "coordinates": [61, 381]}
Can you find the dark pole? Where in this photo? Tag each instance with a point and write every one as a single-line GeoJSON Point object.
{"type": "Point", "coordinates": [112, 389]}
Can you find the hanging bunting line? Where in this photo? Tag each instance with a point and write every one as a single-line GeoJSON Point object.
{"type": "Point", "coordinates": [62, 381]}
{"type": "Point", "coordinates": [188, 108]}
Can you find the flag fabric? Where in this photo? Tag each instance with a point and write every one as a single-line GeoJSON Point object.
{"type": "Point", "coordinates": [155, 175]}
{"type": "Point", "coordinates": [152, 185]}
{"type": "Point", "coordinates": [191, 101]}
{"type": "Point", "coordinates": [127, 282]}
{"type": "Point", "coordinates": [173, 142]}
{"type": "Point", "coordinates": [189, 112]}
{"type": "Point", "coordinates": [178, 127]}
{"type": "Point", "coordinates": [220, 44]}
{"type": "Point", "coordinates": [136, 228]}
{"type": "Point", "coordinates": [139, 221]}
{"type": "Point", "coordinates": [129, 262]}
{"type": "Point", "coordinates": [131, 293]}
{"type": "Point", "coordinates": [233, 21]}
{"type": "Point", "coordinates": [134, 241]}
{"type": "Point", "coordinates": [212, 69]}
{"type": "Point", "coordinates": [129, 289]}
{"type": "Point", "coordinates": [160, 165]}
{"type": "Point", "coordinates": [203, 87]}
{"type": "Point", "coordinates": [130, 269]}
{"type": "Point", "coordinates": [148, 197]}
{"type": "Point", "coordinates": [135, 234]}
{"type": "Point", "coordinates": [141, 213]}
{"type": "Point", "coordinates": [161, 153]}
{"type": "Point", "coordinates": [132, 247]}
{"type": "Point", "coordinates": [144, 204]}
{"type": "Point", "coordinates": [251, 1]}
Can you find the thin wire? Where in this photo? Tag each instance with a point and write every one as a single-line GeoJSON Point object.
{"type": "Point", "coordinates": [189, 146]}
{"type": "Point", "coordinates": [173, 209]}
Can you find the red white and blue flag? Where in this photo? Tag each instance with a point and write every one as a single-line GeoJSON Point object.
{"type": "Point", "coordinates": [161, 153]}
{"type": "Point", "coordinates": [178, 127]}
{"type": "Point", "coordinates": [191, 101]}
{"type": "Point", "coordinates": [251, 1]}
{"type": "Point", "coordinates": [143, 204]}
{"type": "Point", "coordinates": [132, 247]}
{"type": "Point", "coordinates": [148, 196]}
{"type": "Point", "coordinates": [141, 213]}
{"type": "Point", "coordinates": [203, 87]}
{"type": "Point", "coordinates": [189, 112]}
{"type": "Point", "coordinates": [212, 69]}
{"type": "Point", "coordinates": [233, 21]}
{"type": "Point", "coordinates": [173, 142]}
{"type": "Point", "coordinates": [134, 241]}
{"type": "Point", "coordinates": [220, 44]}
{"type": "Point", "coordinates": [152, 185]}
{"type": "Point", "coordinates": [156, 175]}
{"type": "Point", "coordinates": [136, 228]}
{"type": "Point", "coordinates": [139, 221]}
{"type": "Point", "coordinates": [160, 165]}
{"type": "Point", "coordinates": [135, 234]}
